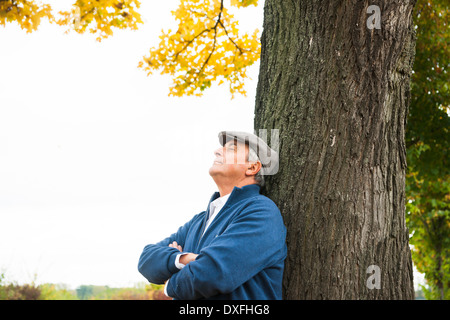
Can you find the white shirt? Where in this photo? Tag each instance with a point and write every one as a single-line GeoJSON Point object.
{"type": "Point", "coordinates": [214, 208]}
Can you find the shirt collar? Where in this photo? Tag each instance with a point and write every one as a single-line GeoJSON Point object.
{"type": "Point", "coordinates": [220, 201]}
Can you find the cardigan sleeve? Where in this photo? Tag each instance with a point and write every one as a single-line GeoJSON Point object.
{"type": "Point", "coordinates": [253, 241]}
{"type": "Point", "coordinates": [157, 261]}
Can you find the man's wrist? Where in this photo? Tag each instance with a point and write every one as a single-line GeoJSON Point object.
{"type": "Point", "coordinates": [188, 258]}
{"type": "Point", "coordinates": [178, 264]}
{"type": "Point", "coordinates": [165, 288]}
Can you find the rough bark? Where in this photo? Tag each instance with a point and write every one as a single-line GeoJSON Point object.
{"type": "Point", "coordinates": [339, 94]}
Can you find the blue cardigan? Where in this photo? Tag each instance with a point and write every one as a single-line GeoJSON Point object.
{"type": "Point", "coordinates": [240, 256]}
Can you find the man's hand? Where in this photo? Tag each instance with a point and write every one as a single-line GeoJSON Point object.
{"type": "Point", "coordinates": [185, 258]}
{"type": "Point", "coordinates": [176, 245]}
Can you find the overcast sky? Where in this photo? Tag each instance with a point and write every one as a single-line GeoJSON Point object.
{"type": "Point", "coordinates": [96, 161]}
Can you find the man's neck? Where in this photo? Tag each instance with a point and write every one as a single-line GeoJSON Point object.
{"type": "Point", "coordinates": [224, 190]}
{"type": "Point", "coordinates": [227, 189]}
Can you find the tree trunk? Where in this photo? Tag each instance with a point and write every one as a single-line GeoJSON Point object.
{"type": "Point", "coordinates": [338, 90]}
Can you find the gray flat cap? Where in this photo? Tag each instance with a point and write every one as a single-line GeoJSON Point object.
{"type": "Point", "coordinates": [268, 157]}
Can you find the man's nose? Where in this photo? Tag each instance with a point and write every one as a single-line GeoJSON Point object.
{"type": "Point", "coordinates": [218, 152]}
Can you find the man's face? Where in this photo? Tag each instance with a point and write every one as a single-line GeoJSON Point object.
{"type": "Point", "coordinates": [230, 161]}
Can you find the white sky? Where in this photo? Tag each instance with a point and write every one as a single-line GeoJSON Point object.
{"type": "Point", "coordinates": [96, 161]}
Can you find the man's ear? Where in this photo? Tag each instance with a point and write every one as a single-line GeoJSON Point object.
{"type": "Point", "coordinates": [253, 168]}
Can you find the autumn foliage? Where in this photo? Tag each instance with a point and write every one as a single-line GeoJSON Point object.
{"type": "Point", "coordinates": [48, 291]}
{"type": "Point", "coordinates": [206, 47]}
{"type": "Point", "coordinates": [28, 14]}
{"type": "Point", "coordinates": [101, 16]}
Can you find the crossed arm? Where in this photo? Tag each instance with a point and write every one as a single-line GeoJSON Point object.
{"type": "Point", "coordinates": [253, 241]}
{"type": "Point", "coordinates": [184, 259]}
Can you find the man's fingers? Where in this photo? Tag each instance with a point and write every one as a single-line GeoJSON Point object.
{"type": "Point", "coordinates": [176, 245]}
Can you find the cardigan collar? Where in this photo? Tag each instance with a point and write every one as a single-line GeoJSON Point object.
{"type": "Point", "coordinates": [237, 194]}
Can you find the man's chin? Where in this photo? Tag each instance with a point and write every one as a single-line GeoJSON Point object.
{"type": "Point", "coordinates": [215, 168]}
{"type": "Point", "coordinates": [212, 169]}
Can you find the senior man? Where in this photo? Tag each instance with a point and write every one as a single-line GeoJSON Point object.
{"type": "Point", "coordinates": [236, 248]}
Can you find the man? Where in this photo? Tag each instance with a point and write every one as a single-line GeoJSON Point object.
{"type": "Point", "coordinates": [236, 248]}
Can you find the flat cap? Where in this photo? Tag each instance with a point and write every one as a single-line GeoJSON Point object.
{"type": "Point", "coordinates": [267, 156]}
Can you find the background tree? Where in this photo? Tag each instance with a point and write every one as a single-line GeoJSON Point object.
{"type": "Point", "coordinates": [428, 184]}
{"type": "Point", "coordinates": [84, 292]}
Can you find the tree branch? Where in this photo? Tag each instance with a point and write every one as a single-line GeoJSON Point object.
{"type": "Point", "coordinates": [189, 42]}
{"type": "Point", "coordinates": [226, 32]}
{"type": "Point", "coordinates": [210, 54]}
